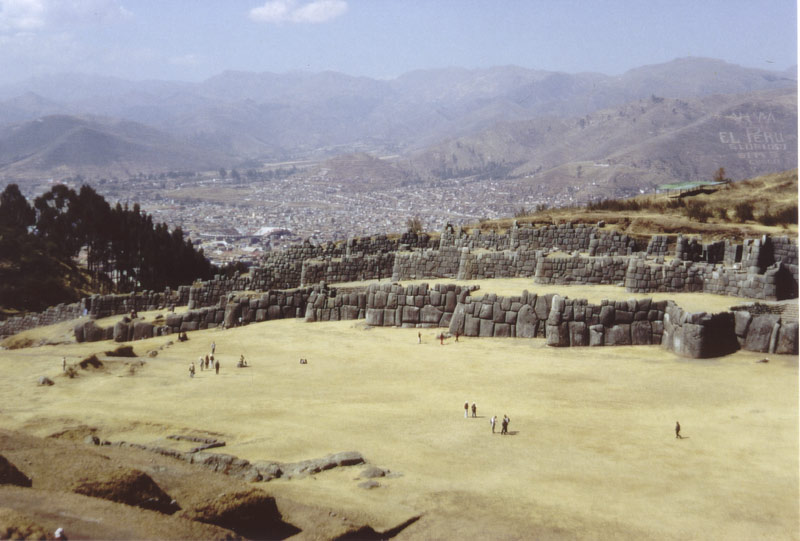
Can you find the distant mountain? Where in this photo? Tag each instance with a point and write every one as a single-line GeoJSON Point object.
{"type": "Point", "coordinates": [621, 150]}
{"type": "Point", "coordinates": [61, 145]}
{"type": "Point", "coordinates": [266, 115]}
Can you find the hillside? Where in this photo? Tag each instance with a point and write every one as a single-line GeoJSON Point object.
{"type": "Point", "coordinates": [638, 146]}
{"type": "Point", "coordinates": [252, 115]}
{"type": "Point", "coordinates": [61, 145]}
{"type": "Point", "coordinates": [773, 196]}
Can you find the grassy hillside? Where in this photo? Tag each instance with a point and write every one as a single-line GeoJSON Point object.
{"type": "Point", "coordinates": [711, 213]}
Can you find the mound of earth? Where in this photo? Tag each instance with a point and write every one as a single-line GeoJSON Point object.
{"type": "Point", "coordinates": [74, 433]}
{"type": "Point", "coordinates": [10, 475]}
{"type": "Point", "coordinates": [92, 361]}
{"type": "Point", "coordinates": [15, 525]}
{"type": "Point", "coordinates": [250, 513]}
{"type": "Point", "coordinates": [131, 487]}
{"type": "Point", "coordinates": [121, 351]}
{"type": "Point", "coordinates": [368, 533]}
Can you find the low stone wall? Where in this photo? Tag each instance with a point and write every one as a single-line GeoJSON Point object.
{"type": "Point", "coordinates": [54, 314]}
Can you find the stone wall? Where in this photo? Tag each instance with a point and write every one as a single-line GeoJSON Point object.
{"type": "Point", "coordinates": [581, 270]}
{"type": "Point", "coordinates": [391, 305]}
{"type": "Point", "coordinates": [441, 263]}
{"type": "Point", "coordinates": [702, 335]}
{"type": "Point", "coordinates": [575, 322]}
{"type": "Point", "coordinates": [491, 315]}
{"type": "Point", "coordinates": [348, 269]}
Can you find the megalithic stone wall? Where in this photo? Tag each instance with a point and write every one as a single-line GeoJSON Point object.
{"type": "Point", "coordinates": [490, 315]}
{"type": "Point", "coordinates": [581, 270]}
{"type": "Point", "coordinates": [394, 305]}
{"type": "Point", "coordinates": [348, 269]}
{"type": "Point", "coordinates": [702, 335]}
{"type": "Point", "coordinates": [575, 322]}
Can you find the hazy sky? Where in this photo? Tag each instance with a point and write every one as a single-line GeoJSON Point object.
{"type": "Point", "coordinates": [195, 39]}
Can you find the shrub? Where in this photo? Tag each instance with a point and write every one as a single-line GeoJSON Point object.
{"type": "Point", "coordinates": [698, 211]}
{"type": "Point", "coordinates": [744, 211]}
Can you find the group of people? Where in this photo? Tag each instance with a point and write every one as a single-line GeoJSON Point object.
{"type": "Point", "coordinates": [208, 362]}
{"type": "Point", "coordinates": [505, 422]}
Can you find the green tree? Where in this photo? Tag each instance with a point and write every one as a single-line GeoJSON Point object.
{"type": "Point", "coordinates": [15, 212]}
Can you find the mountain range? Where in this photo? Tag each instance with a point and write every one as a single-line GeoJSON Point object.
{"type": "Point", "coordinates": [498, 121]}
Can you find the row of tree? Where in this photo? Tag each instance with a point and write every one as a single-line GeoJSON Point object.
{"type": "Point", "coordinates": [125, 249]}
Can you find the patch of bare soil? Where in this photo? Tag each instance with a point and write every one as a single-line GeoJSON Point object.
{"type": "Point", "coordinates": [131, 487]}
{"type": "Point", "coordinates": [10, 475]}
{"type": "Point", "coordinates": [116, 487]}
{"type": "Point", "coordinates": [251, 513]}
{"type": "Point", "coordinates": [16, 525]}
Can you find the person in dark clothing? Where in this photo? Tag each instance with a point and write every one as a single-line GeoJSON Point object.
{"type": "Point", "coordinates": [216, 366]}
{"type": "Point", "coordinates": [506, 420]}
{"type": "Point", "coordinates": [474, 410]}
{"type": "Point", "coordinates": [678, 430]}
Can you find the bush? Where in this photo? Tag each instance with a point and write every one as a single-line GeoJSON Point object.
{"type": "Point", "coordinates": [698, 211]}
{"type": "Point", "coordinates": [744, 211]}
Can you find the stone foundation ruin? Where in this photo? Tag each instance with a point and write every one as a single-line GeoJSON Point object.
{"type": "Point", "coordinates": [291, 284]}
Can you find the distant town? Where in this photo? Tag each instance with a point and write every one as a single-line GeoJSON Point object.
{"type": "Point", "coordinates": [242, 218]}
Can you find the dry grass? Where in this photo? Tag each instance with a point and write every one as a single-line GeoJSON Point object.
{"type": "Point", "coordinates": [593, 454]}
{"type": "Point", "coordinates": [771, 193]}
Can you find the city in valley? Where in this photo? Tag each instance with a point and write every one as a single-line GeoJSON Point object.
{"type": "Point", "coordinates": [239, 219]}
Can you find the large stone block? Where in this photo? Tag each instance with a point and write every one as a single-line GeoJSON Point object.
{"type": "Point", "coordinates": [486, 311]}
{"type": "Point", "coordinates": [557, 335]}
{"type": "Point", "coordinates": [389, 317]}
{"type": "Point", "coordinates": [787, 339]}
{"type": "Point", "coordinates": [526, 322]}
{"type": "Point", "coordinates": [450, 301]}
{"type": "Point", "coordinates": [472, 325]}
{"type": "Point", "coordinates": [596, 335]}
{"type": "Point", "coordinates": [498, 313]}
{"type": "Point", "coordinates": [607, 316]}
{"type": "Point", "coordinates": [618, 335]}
{"type": "Point", "coordinates": [430, 314]}
{"type": "Point", "coordinates": [349, 312]}
{"type": "Point", "coordinates": [142, 330]}
{"type": "Point", "coordinates": [641, 333]}
{"type": "Point", "coordinates": [486, 328]}
{"type": "Point", "coordinates": [410, 314]}
{"type": "Point", "coordinates": [502, 330]}
{"type": "Point", "coordinates": [759, 333]}
{"type": "Point", "coordinates": [578, 335]}
{"type": "Point", "coordinates": [742, 320]}
{"type": "Point", "coordinates": [122, 331]}
{"type": "Point", "coordinates": [374, 317]}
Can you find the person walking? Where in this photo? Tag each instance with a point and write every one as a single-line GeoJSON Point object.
{"type": "Point", "coordinates": [474, 410]}
{"type": "Point", "coordinates": [216, 365]}
{"type": "Point", "coordinates": [678, 430]}
{"type": "Point", "coordinates": [492, 421]}
{"type": "Point", "coordinates": [191, 370]}
{"type": "Point", "coordinates": [504, 429]}
{"type": "Point", "coordinates": [213, 347]}
{"type": "Point", "coordinates": [419, 338]}
{"type": "Point", "coordinates": [201, 364]}
{"type": "Point", "coordinates": [466, 409]}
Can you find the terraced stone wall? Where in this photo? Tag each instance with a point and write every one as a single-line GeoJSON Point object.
{"type": "Point", "coordinates": [581, 270]}
{"type": "Point", "coordinates": [348, 269]}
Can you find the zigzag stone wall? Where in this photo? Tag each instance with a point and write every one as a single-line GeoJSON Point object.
{"type": "Point", "coordinates": [764, 268]}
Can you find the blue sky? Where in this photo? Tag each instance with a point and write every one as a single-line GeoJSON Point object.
{"type": "Point", "coordinates": [193, 40]}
